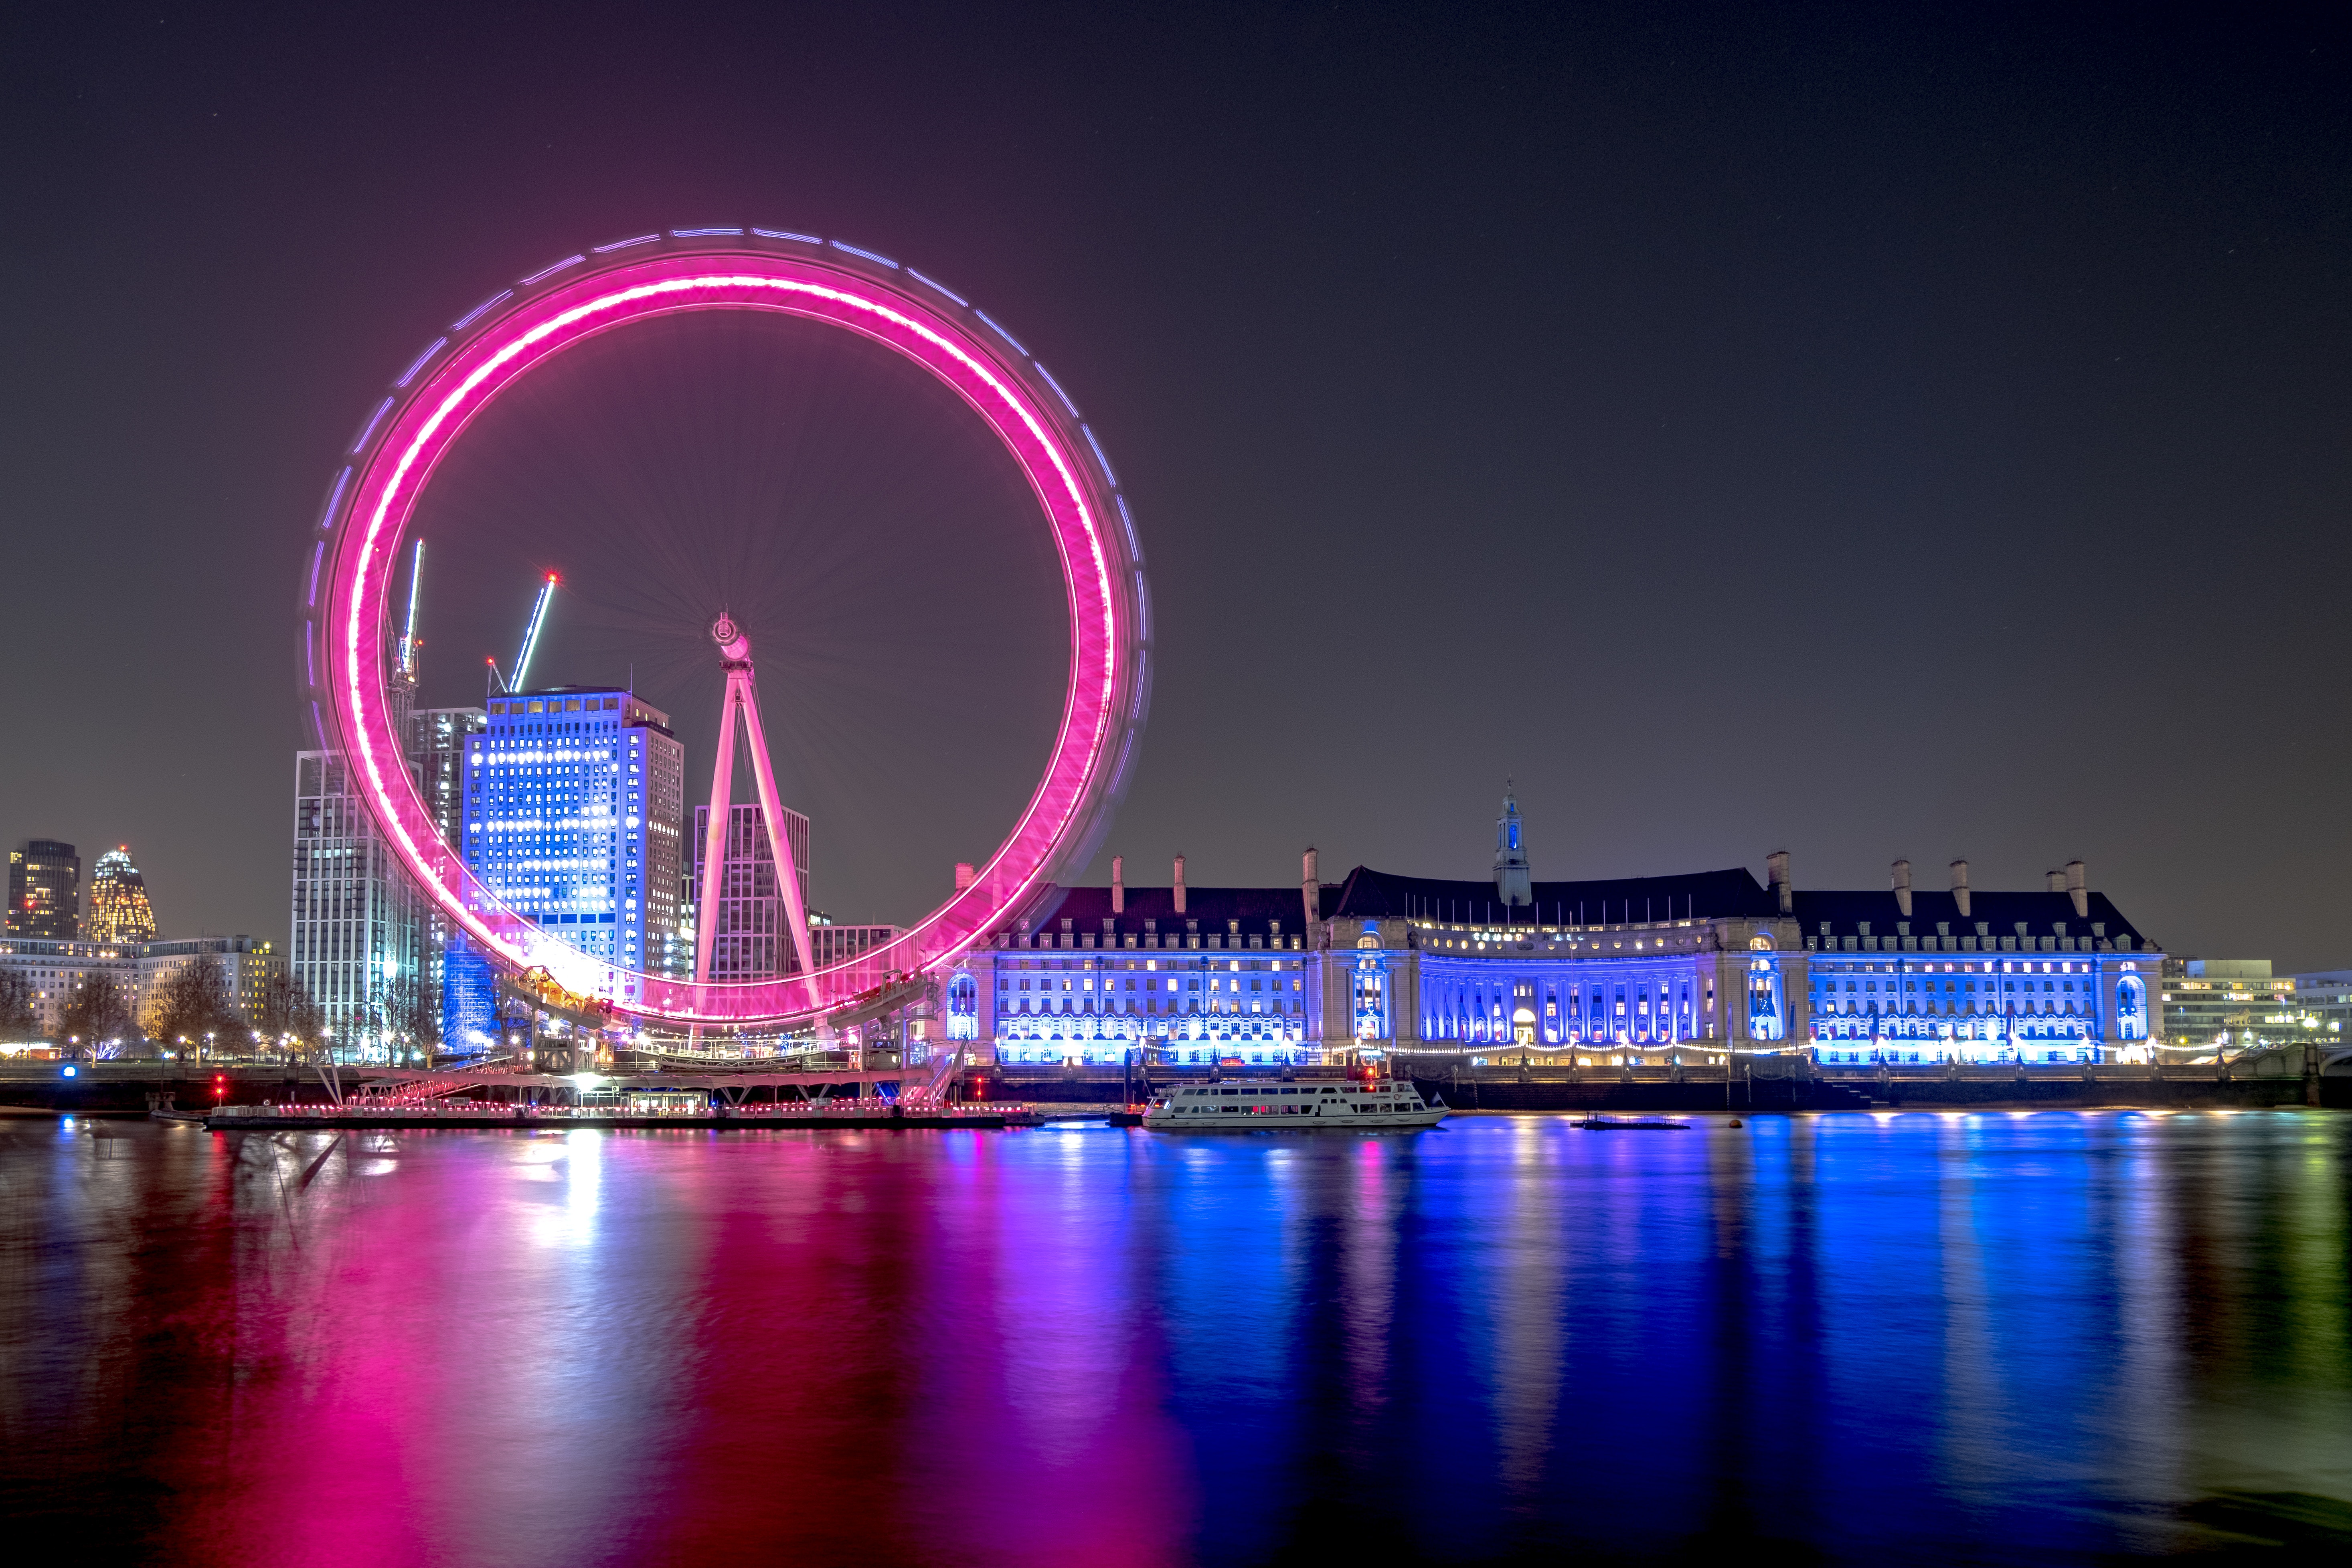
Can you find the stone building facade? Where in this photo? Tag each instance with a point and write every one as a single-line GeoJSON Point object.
{"type": "Point", "coordinates": [1637, 970]}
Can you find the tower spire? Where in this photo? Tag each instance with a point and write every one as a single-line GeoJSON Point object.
{"type": "Point", "coordinates": [1513, 884]}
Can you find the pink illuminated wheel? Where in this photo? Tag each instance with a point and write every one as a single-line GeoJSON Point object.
{"type": "Point", "coordinates": [346, 631]}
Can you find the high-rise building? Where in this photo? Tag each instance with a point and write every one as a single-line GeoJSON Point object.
{"type": "Point", "coordinates": [356, 925]}
{"type": "Point", "coordinates": [44, 891]}
{"type": "Point", "coordinates": [574, 819]}
{"type": "Point", "coordinates": [119, 910]}
{"type": "Point", "coordinates": [750, 942]}
{"type": "Point", "coordinates": [437, 739]}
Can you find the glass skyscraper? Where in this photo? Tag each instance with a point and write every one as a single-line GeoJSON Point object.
{"type": "Point", "coordinates": [44, 890]}
{"type": "Point", "coordinates": [356, 925]}
{"type": "Point", "coordinates": [437, 739]}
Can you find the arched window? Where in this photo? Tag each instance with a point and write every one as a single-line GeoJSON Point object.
{"type": "Point", "coordinates": [2131, 1009]}
{"type": "Point", "coordinates": [1765, 1021]}
{"type": "Point", "coordinates": [1371, 1003]}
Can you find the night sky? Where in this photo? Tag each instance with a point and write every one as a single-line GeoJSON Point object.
{"type": "Point", "coordinates": [1870, 432]}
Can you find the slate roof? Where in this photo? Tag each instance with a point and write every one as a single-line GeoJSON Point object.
{"type": "Point", "coordinates": [1730, 894]}
{"type": "Point", "coordinates": [2043, 913]}
{"type": "Point", "coordinates": [1256, 908]}
{"type": "Point", "coordinates": [1367, 894]}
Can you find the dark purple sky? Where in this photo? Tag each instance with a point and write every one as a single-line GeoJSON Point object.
{"type": "Point", "coordinates": [1866, 431]}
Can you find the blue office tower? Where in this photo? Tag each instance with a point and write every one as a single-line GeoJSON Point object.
{"type": "Point", "coordinates": [573, 818]}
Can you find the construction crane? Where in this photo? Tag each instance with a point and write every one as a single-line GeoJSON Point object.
{"type": "Point", "coordinates": [408, 635]}
{"type": "Point", "coordinates": [500, 683]}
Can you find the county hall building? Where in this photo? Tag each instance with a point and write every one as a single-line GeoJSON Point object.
{"type": "Point", "coordinates": [1638, 969]}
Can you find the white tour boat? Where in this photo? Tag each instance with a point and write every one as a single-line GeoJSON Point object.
{"type": "Point", "coordinates": [1277, 1107]}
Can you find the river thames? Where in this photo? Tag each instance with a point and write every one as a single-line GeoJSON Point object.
{"type": "Point", "coordinates": [2054, 1337]}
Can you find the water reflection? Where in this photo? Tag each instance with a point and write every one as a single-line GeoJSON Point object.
{"type": "Point", "coordinates": [1997, 1336]}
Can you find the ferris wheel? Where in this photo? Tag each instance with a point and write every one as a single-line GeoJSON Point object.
{"type": "Point", "coordinates": [349, 648]}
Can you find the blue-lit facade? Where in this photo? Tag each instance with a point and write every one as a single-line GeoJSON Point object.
{"type": "Point", "coordinates": [573, 818]}
{"type": "Point", "coordinates": [1639, 971]}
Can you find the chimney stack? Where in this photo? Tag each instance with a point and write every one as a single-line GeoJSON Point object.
{"type": "Point", "coordinates": [2078, 888]}
{"type": "Point", "coordinates": [1776, 867]}
{"type": "Point", "coordinates": [1180, 884]}
{"type": "Point", "coordinates": [1903, 888]}
{"type": "Point", "coordinates": [1960, 886]}
{"type": "Point", "coordinates": [1118, 884]}
{"type": "Point", "coordinates": [1311, 885]}
{"type": "Point", "coordinates": [964, 878]}
{"type": "Point", "coordinates": [2054, 881]}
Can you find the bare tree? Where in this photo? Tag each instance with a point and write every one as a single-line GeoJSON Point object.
{"type": "Point", "coordinates": [20, 1009]}
{"type": "Point", "coordinates": [409, 1008]}
{"type": "Point", "coordinates": [193, 1003]}
{"type": "Point", "coordinates": [288, 1013]}
{"type": "Point", "coordinates": [99, 1011]}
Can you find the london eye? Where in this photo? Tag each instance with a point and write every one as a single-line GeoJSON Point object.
{"type": "Point", "coordinates": [350, 651]}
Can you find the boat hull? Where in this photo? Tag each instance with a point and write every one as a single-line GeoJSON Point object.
{"type": "Point", "coordinates": [1249, 1120]}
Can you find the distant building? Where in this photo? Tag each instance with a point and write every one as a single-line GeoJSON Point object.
{"type": "Point", "coordinates": [56, 970]}
{"type": "Point", "coordinates": [750, 942]}
{"type": "Point", "coordinates": [840, 943]}
{"type": "Point", "coordinates": [119, 910]}
{"type": "Point", "coordinates": [44, 891]}
{"type": "Point", "coordinates": [357, 920]}
{"type": "Point", "coordinates": [2232, 1003]}
{"type": "Point", "coordinates": [246, 964]}
{"type": "Point", "coordinates": [437, 739]}
{"type": "Point", "coordinates": [2325, 996]}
